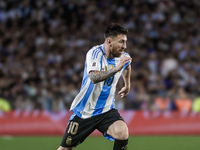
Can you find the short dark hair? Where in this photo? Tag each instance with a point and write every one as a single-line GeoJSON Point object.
{"type": "Point", "coordinates": [114, 29]}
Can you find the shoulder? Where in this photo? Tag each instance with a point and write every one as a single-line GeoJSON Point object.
{"type": "Point", "coordinates": [94, 52]}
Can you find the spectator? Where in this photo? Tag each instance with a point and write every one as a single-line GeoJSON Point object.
{"type": "Point", "coordinates": [140, 101]}
{"type": "Point", "coordinates": [183, 102]}
{"type": "Point", "coordinates": [162, 105]}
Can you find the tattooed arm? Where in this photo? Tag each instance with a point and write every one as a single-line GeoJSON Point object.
{"type": "Point", "coordinates": [98, 76]}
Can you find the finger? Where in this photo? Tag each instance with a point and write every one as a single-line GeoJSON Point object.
{"type": "Point", "coordinates": [125, 62]}
{"type": "Point", "coordinates": [122, 95]}
{"type": "Point", "coordinates": [120, 92]}
{"type": "Point", "coordinates": [128, 59]}
{"type": "Point", "coordinates": [125, 57]}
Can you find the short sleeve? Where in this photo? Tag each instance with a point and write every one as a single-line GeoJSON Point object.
{"type": "Point", "coordinates": [93, 60]}
{"type": "Point", "coordinates": [127, 64]}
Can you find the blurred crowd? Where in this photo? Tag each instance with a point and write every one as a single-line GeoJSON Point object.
{"type": "Point", "coordinates": [43, 44]}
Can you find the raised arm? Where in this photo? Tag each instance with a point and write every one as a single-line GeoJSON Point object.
{"type": "Point", "coordinates": [98, 76]}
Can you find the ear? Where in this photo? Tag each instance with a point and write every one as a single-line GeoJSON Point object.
{"type": "Point", "coordinates": [109, 41]}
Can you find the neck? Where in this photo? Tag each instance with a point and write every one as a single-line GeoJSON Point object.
{"type": "Point", "coordinates": [107, 51]}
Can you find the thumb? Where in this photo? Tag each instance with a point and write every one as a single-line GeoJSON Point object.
{"type": "Point", "coordinates": [121, 91]}
{"type": "Point", "coordinates": [122, 95]}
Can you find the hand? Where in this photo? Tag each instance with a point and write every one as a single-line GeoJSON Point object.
{"type": "Point", "coordinates": [124, 91]}
{"type": "Point", "coordinates": [123, 60]}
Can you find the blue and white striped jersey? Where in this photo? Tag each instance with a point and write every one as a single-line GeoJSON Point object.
{"type": "Point", "coordinates": [95, 99]}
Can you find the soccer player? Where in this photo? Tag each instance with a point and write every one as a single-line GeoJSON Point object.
{"type": "Point", "coordinates": [93, 108]}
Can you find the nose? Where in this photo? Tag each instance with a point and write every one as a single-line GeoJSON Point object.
{"type": "Point", "coordinates": [124, 45]}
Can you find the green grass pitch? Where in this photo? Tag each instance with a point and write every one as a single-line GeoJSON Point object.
{"type": "Point", "coordinates": [100, 143]}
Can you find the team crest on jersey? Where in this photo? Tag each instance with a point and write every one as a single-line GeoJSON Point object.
{"type": "Point", "coordinates": [111, 66]}
{"type": "Point", "coordinates": [69, 140]}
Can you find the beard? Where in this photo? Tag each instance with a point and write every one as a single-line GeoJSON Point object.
{"type": "Point", "coordinates": [116, 51]}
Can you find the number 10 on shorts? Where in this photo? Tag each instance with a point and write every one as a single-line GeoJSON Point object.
{"type": "Point", "coordinates": [73, 127]}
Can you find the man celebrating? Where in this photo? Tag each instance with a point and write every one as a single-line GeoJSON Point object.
{"type": "Point", "coordinates": [93, 108]}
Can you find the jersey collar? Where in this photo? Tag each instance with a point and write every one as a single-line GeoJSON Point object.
{"type": "Point", "coordinates": [102, 47]}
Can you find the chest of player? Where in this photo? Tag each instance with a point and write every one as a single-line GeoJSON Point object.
{"type": "Point", "coordinates": [108, 64]}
